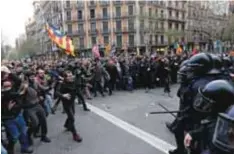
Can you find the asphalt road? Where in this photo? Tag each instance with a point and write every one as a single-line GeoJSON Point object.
{"type": "Point", "coordinates": [117, 124]}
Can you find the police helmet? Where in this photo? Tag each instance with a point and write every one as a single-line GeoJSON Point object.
{"type": "Point", "coordinates": [215, 97]}
{"type": "Point", "coordinates": [223, 137]}
{"type": "Point", "coordinates": [227, 62]}
{"type": "Point", "coordinates": [198, 65]}
{"type": "Point", "coordinates": [182, 76]}
{"type": "Point", "coordinates": [217, 65]}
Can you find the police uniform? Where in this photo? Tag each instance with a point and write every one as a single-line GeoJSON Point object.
{"type": "Point", "coordinates": [196, 71]}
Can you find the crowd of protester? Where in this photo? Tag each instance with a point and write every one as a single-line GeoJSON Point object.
{"type": "Point", "coordinates": [33, 88]}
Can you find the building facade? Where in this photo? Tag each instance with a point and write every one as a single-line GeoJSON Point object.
{"type": "Point", "coordinates": [128, 25]}
{"type": "Point", "coordinates": [204, 24]}
{"type": "Point", "coordinates": [44, 11]}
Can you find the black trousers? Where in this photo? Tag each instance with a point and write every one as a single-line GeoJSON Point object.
{"type": "Point", "coordinates": [37, 117]}
{"type": "Point", "coordinates": [81, 98]}
{"type": "Point", "coordinates": [97, 86]}
{"type": "Point", "coordinates": [70, 121]}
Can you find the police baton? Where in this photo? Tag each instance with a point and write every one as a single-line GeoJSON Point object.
{"type": "Point", "coordinates": [163, 112]}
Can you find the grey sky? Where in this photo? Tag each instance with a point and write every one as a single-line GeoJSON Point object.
{"type": "Point", "coordinates": [14, 14]}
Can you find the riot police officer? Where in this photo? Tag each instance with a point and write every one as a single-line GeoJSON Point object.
{"type": "Point", "coordinates": [180, 93]}
{"type": "Point", "coordinates": [196, 71]}
{"type": "Point", "coordinates": [208, 103]}
{"type": "Point", "coordinates": [223, 136]}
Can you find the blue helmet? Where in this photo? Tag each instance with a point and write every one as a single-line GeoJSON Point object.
{"type": "Point", "coordinates": [223, 137]}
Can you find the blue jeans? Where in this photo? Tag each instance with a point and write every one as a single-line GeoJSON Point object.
{"type": "Point", "coordinates": [3, 150]}
{"type": "Point", "coordinates": [17, 129]}
{"type": "Point", "coordinates": [48, 103]}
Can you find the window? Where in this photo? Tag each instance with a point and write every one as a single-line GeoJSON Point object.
{"type": "Point", "coordinates": [169, 3]}
{"type": "Point", "coordinates": [104, 12]}
{"type": "Point", "coordinates": [67, 3]}
{"type": "Point", "coordinates": [150, 12]}
{"type": "Point", "coordinates": [156, 12]}
{"type": "Point", "coordinates": [69, 28]}
{"type": "Point", "coordinates": [142, 39]}
{"type": "Point", "coordinates": [162, 39]}
{"type": "Point", "coordinates": [142, 24]}
{"type": "Point", "coordinates": [162, 25]}
{"type": "Point", "coordinates": [80, 14]}
{"type": "Point", "coordinates": [177, 14]}
{"type": "Point", "coordinates": [177, 26]}
{"type": "Point", "coordinates": [170, 25]}
{"type": "Point", "coordinates": [130, 10]}
{"type": "Point", "coordinates": [106, 39]}
{"type": "Point", "coordinates": [131, 40]}
{"type": "Point", "coordinates": [92, 2]}
{"type": "Point", "coordinates": [81, 42]}
{"type": "Point", "coordinates": [93, 26]}
{"type": "Point", "coordinates": [161, 3]}
{"type": "Point", "coordinates": [130, 24]}
{"type": "Point", "coordinates": [80, 28]}
{"type": "Point", "coordinates": [182, 27]}
{"type": "Point", "coordinates": [162, 13]}
{"type": "Point", "coordinates": [118, 11]}
{"type": "Point", "coordinates": [105, 26]}
{"type": "Point", "coordinates": [119, 40]}
{"type": "Point", "coordinates": [183, 16]}
{"type": "Point", "coordinates": [93, 40]}
{"type": "Point", "coordinates": [141, 10]}
{"type": "Point", "coordinates": [118, 25]}
{"type": "Point", "coordinates": [92, 13]}
{"type": "Point", "coordinates": [150, 25]}
{"type": "Point", "coordinates": [151, 39]}
{"type": "Point", "coordinates": [170, 13]}
{"type": "Point", "coordinates": [156, 25]}
{"type": "Point", "coordinates": [68, 15]}
{"type": "Point", "coordinates": [176, 3]}
{"type": "Point", "coordinates": [156, 39]}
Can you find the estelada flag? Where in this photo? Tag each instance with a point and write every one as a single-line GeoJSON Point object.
{"type": "Point", "coordinates": [60, 39]}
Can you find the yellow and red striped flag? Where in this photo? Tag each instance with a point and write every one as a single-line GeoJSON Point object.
{"type": "Point", "coordinates": [60, 39]}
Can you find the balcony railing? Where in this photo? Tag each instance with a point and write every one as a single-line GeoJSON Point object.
{"type": "Point", "coordinates": [67, 7]}
{"type": "Point", "coordinates": [117, 2]}
{"type": "Point", "coordinates": [68, 19]}
{"type": "Point", "coordinates": [174, 18]}
{"type": "Point", "coordinates": [117, 30]}
{"type": "Point", "coordinates": [130, 2]}
{"type": "Point", "coordinates": [105, 31]}
{"type": "Point", "coordinates": [93, 17]}
{"type": "Point", "coordinates": [92, 4]}
{"type": "Point", "coordinates": [173, 7]}
{"type": "Point", "coordinates": [93, 31]}
{"type": "Point", "coordinates": [105, 17]}
{"type": "Point", "coordinates": [104, 3]}
{"type": "Point", "coordinates": [79, 5]}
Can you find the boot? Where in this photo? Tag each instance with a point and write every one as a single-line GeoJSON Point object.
{"type": "Point", "coordinates": [77, 138]}
{"type": "Point", "coordinates": [45, 139]}
{"type": "Point", "coordinates": [86, 109]}
{"type": "Point", "coordinates": [176, 151]}
{"type": "Point", "coordinates": [28, 150]}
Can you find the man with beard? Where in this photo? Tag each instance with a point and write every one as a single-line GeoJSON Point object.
{"type": "Point", "coordinates": [33, 111]}
{"type": "Point", "coordinates": [67, 93]}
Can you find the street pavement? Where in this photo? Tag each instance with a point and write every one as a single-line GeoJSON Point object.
{"type": "Point", "coordinates": [117, 124]}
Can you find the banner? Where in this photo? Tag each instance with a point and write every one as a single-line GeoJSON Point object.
{"type": "Point", "coordinates": [95, 51]}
